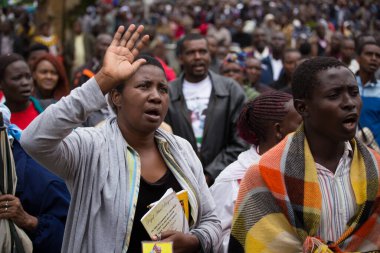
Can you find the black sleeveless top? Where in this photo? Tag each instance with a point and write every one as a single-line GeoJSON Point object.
{"type": "Point", "coordinates": [149, 193]}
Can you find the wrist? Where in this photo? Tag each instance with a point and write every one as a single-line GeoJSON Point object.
{"type": "Point", "coordinates": [106, 82]}
{"type": "Point", "coordinates": [195, 243]}
{"type": "Point", "coordinates": [32, 223]}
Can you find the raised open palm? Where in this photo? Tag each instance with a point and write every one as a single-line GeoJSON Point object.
{"type": "Point", "coordinates": [118, 63]}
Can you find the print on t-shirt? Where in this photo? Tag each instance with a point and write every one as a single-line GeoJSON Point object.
{"type": "Point", "coordinates": [197, 108]}
{"type": "Point", "coordinates": [197, 96]}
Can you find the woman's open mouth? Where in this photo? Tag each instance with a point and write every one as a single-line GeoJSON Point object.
{"type": "Point", "coordinates": [153, 114]}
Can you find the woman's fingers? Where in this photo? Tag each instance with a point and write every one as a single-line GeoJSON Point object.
{"type": "Point", "coordinates": [130, 39]}
{"type": "Point", "coordinates": [127, 35]}
{"type": "Point", "coordinates": [131, 43]}
{"type": "Point", "coordinates": [167, 234]}
{"type": "Point", "coordinates": [118, 34]}
{"type": "Point", "coordinates": [140, 45]}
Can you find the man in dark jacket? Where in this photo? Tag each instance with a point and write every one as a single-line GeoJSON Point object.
{"type": "Point", "coordinates": [204, 107]}
{"type": "Point", "coordinates": [272, 65]}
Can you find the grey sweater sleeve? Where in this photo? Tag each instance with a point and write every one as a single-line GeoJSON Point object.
{"type": "Point", "coordinates": [50, 138]}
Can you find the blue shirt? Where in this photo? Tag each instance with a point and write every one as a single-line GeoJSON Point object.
{"type": "Point", "coordinates": [43, 195]}
{"type": "Point", "coordinates": [370, 113]}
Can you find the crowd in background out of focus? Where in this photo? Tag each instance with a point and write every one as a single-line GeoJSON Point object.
{"type": "Point", "coordinates": [215, 55]}
{"type": "Point", "coordinates": [307, 25]}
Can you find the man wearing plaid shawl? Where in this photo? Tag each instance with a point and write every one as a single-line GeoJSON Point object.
{"type": "Point", "coordinates": [318, 189]}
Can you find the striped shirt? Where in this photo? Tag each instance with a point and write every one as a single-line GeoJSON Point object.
{"type": "Point", "coordinates": [338, 198]}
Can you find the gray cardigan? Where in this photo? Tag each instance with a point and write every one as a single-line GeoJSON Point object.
{"type": "Point", "coordinates": [92, 163]}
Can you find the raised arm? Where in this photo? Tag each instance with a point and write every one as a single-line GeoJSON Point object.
{"type": "Point", "coordinates": [50, 138]}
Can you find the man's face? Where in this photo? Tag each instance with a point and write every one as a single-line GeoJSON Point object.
{"type": "Point", "coordinates": [369, 59]}
{"type": "Point", "coordinates": [336, 40]}
{"type": "Point", "coordinates": [253, 70]}
{"type": "Point", "coordinates": [278, 42]}
{"type": "Point", "coordinates": [259, 39]}
{"type": "Point", "coordinates": [102, 43]}
{"type": "Point", "coordinates": [347, 49]}
{"type": "Point", "coordinates": [195, 59]}
{"type": "Point", "coordinates": [321, 31]}
{"type": "Point", "coordinates": [332, 112]}
{"type": "Point", "coordinates": [290, 62]}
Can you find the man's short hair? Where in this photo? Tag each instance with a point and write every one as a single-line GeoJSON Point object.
{"type": "Point", "coordinates": [290, 50]}
{"type": "Point", "coordinates": [190, 36]}
{"type": "Point", "coordinates": [305, 77]}
{"type": "Point", "coordinates": [360, 47]}
{"type": "Point", "coordinates": [36, 47]}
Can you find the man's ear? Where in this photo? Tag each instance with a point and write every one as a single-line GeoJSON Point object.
{"type": "Point", "coordinates": [301, 107]}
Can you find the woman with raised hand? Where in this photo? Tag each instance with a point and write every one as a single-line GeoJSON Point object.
{"type": "Point", "coordinates": [113, 171]}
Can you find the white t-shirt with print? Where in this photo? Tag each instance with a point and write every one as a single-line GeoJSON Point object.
{"type": "Point", "coordinates": [197, 96]}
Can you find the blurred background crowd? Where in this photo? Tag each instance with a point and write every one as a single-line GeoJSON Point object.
{"type": "Point", "coordinates": [48, 48]}
{"type": "Point", "coordinates": [275, 35]}
{"type": "Point", "coordinates": [320, 27]}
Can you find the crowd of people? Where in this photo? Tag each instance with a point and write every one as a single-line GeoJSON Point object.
{"type": "Point", "coordinates": [266, 112]}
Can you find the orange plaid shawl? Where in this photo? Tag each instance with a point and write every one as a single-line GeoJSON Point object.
{"type": "Point", "coordinates": [279, 203]}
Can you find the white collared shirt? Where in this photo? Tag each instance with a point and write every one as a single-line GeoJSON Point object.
{"type": "Point", "coordinates": [276, 67]}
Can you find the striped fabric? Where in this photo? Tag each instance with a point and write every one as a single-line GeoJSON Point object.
{"type": "Point", "coordinates": [134, 173]}
{"type": "Point", "coordinates": [163, 146]}
{"type": "Point", "coordinates": [8, 177]}
{"type": "Point", "coordinates": [279, 206]}
{"type": "Point", "coordinates": [12, 238]}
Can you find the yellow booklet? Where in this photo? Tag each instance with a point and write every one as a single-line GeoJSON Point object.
{"type": "Point", "coordinates": [183, 198]}
{"type": "Point", "coordinates": [166, 214]}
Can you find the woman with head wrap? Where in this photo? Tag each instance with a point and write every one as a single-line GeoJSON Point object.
{"type": "Point", "coordinates": [263, 122]}
{"type": "Point", "coordinates": [233, 66]}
